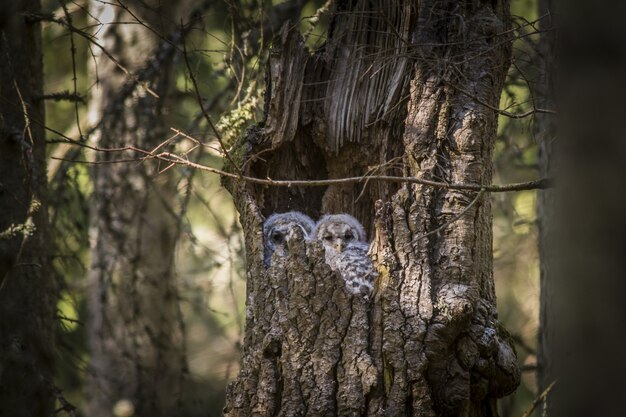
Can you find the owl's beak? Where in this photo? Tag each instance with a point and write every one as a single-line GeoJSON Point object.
{"type": "Point", "coordinates": [339, 246]}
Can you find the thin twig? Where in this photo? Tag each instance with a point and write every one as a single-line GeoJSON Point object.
{"type": "Point", "coordinates": [91, 40]}
{"type": "Point", "coordinates": [61, 96]}
{"type": "Point", "coordinates": [449, 222]}
{"type": "Point", "coordinates": [499, 111]}
{"type": "Point", "coordinates": [204, 112]}
{"type": "Point", "coordinates": [540, 184]}
{"type": "Point", "coordinates": [26, 116]}
{"type": "Point", "coordinates": [313, 20]}
{"type": "Point", "coordinates": [169, 157]}
{"type": "Point", "coordinates": [68, 19]}
{"type": "Point", "coordinates": [539, 399]}
{"type": "Point", "coordinates": [66, 406]}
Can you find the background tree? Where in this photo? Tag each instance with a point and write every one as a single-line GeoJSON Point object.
{"type": "Point", "coordinates": [394, 82]}
{"type": "Point", "coordinates": [583, 322]}
{"type": "Point", "coordinates": [27, 290]}
{"type": "Point", "coordinates": [546, 131]}
{"type": "Point", "coordinates": [209, 252]}
{"type": "Point", "coordinates": [135, 329]}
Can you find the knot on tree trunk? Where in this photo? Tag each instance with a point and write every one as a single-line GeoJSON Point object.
{"type": "Point", "coordinates": [470, 363]}
{"type": "Point", "coordinates": [444, 349]}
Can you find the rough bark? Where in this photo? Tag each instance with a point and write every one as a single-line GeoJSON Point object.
{"type": "Point", "coordinates": [135, 329]}
{"type": "Point", "coordinates": [27, 291]}
{"type": "Point", "coordinates": [428, 343]}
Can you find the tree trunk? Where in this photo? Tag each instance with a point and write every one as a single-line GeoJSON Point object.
{"type": "Point", "coordinates": [545, 131]}
{"type": "Point", "coordinates": [27, 291]}
{"type": "Point", "coordinates": [583, 320]}
{"type": "Point", "coordinates": [428, 343]}
{"type": "Point", "coordinates": [135, 330]}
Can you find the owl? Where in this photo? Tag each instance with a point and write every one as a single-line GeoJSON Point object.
{"type": "Point", "coordinates": [278, 228]}
{"type": "Point", "coordinates": [346, 249]}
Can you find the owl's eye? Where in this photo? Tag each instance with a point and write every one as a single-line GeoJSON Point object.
{"type": "Point", "coordinates": [277, 238]}
{"type": "Point", "coordinates": [349, 236]}
{"type": "Point", "coordinates": [328, 237]}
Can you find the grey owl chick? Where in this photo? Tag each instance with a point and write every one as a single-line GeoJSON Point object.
{"type": "Point", "coordinates": [277, 230]}
{"type": "Point", "coordinates": [346, 250]}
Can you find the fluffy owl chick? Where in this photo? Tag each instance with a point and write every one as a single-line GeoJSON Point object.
{"type": "Point", "coordinates": [344, 242]}
{"type": "Point", "coordinates": [336, 231]}
{"type": "Point", "coordinates": [278, 229]}
{"type": "Point", "coordinates": [355, 267]}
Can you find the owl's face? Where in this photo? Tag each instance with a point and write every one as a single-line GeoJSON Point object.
{"type": "Point", "coordinates": [281, 232]}
{"type": "Point", "coordinates": [279, 228]}
{"type": "Point", "coordinates": [337, 235]}
{"type": "Point", "coordinates": [345, 247]}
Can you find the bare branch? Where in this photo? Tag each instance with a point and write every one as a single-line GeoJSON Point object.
{"type": "Point", "coordinates": [448, 223]}
{"type": "Point", "coordinates": [68, 19]}
{"type": "Point", "coordinates": [499, 111]}
{"type": "Point", "coordinates": [539, 399]}
{"type": "Point", "coordinates": [62, 96]}
{"type": "Point", "coordinates": [542, 183]}
{"type": "Point", "coordinates": [204, 112]}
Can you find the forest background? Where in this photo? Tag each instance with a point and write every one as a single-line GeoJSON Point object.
{"type": "Point", "coordinates": [213, 54]}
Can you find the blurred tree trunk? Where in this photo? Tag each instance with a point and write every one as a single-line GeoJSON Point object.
{"type": "Point", "coordinates": [584, 318]}
{"type": "Point", "coordinates": [545, 131]}
{"type": "Point", "coordinates": [397, 88]}
{"type": "Point", "coordinates": [27, 292]}
{"type": "Point", "coordinates": [135, 328]}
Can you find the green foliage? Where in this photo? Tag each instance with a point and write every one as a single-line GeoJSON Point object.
{"type": "Point", "coordinates": [67, 313]}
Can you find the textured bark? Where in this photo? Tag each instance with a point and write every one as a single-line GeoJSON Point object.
{"type": "Point", "coordinates": [429, 342]}
{"type": "Point", "coordinates": [27, 291]}
{"type": "Point", "coordinates": [136, 340]}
